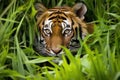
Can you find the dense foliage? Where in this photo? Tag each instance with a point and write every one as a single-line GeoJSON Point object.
{"type": "Point", "coordinates": [18, 60]}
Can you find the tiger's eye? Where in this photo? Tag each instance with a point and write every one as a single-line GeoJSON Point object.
{"type": "Point", "coordinates": [46, 26]}
{"type": "Point", "coordinates": [47, 32]}
{"type": "Point", "coordinates": [67, 32]}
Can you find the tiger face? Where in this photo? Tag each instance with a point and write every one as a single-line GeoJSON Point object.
{"type": "Point", "coordinates": [59, 26]}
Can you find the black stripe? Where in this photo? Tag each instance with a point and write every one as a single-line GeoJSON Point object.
{"type": "Point", "coordinates": [61, 17]}
{"type": "Point", "coordinates": [72, 21]}
{"type": "Point", "coordinates": [80, 31]}
{"type": "Point", "coordinates": [43, 22]}
{"type": "Point", "coordinates": [52, 17]}
{"type": "Point", "coordinates": [58, 17]}
{"type": "Point", "coordinates": [58, 12]}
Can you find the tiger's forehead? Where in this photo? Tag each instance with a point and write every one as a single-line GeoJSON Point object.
{"type": "Point", "coordinates": [58, 14]}
{"type": "Point", "coordinates": [63, 11]}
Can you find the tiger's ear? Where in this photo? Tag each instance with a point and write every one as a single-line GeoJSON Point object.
{"type": "Point", "coordinates": [40, 9]}
{"type": "Point", "coordinates": [80, 9]}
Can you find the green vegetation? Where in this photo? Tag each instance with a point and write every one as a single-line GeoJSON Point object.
{"type": "Point", "coordinates": [18, 60]}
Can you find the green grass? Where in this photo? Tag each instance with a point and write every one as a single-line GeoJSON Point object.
{"type": "Point", "coordinates": [18, 60]}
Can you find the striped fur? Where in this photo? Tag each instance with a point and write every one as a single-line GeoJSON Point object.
{"type": "Point", "coordinates": [58, 27]}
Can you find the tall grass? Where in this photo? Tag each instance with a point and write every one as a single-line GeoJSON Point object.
{"type": "Point", "coordinates": [18, 60]}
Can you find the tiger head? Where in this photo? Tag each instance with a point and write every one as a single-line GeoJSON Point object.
{"type": "Point", "coordinates": [59, 26]}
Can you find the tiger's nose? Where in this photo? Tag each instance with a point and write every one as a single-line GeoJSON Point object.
{"type": "Point", "coordinates": [57, 50]}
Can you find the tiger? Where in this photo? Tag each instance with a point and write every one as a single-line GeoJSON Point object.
{"type": "Point", "coordinates": [60, 26]}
